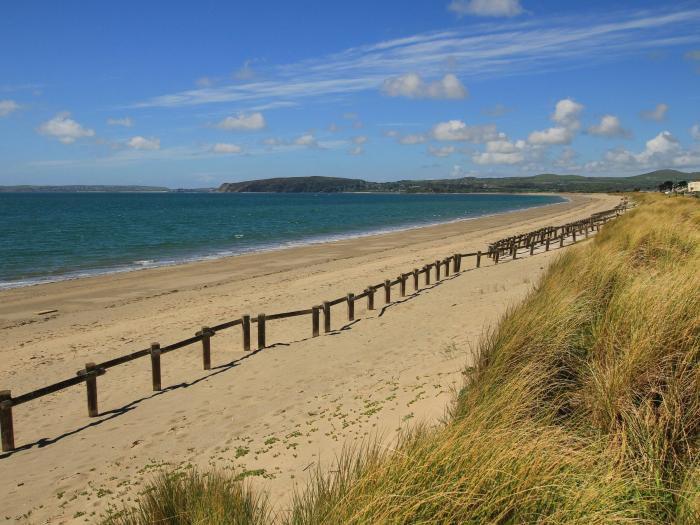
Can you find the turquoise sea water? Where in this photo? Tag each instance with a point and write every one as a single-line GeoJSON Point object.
{"type": "Point", "coordinates": [52, 236]}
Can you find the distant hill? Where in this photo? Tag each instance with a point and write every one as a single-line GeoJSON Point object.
{"type": "Point", "coordinates": [543, 182]}
{"type": "Point", "coordinates": [79, 189]}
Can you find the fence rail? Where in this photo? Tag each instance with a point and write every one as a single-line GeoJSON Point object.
{"type": "Point", "coordinates": [509, 246]}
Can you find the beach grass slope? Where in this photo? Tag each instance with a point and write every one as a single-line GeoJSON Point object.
{"type": "Point", "coordinates": [583, 407]}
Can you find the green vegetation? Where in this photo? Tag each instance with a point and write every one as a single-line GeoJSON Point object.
{"type": "Point", "coordinates": [583, 406]}
{"type": "Point", "coordinates": [545, 182]}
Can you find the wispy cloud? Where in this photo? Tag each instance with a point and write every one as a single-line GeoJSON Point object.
{"type": "Point", "coordinates": [482, 51]}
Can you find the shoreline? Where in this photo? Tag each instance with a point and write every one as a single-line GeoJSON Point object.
{"type": "Point", "coordinates": [136, 266]}
{"type": "Point", "coordinates": [274, 415]}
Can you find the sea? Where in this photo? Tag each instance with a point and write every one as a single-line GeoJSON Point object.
{"type": "Point", "coordinates": [48, 237]}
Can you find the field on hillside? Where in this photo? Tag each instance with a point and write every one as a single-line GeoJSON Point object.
{"type": "Point", "coordinates": [583, 408]}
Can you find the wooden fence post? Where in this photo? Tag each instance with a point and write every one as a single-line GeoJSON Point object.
{"type": "Point", "coordinates": [478, 259]}
{"type": "Point", "coordinates": [514, 250]}
{"type": "Point", "coordinates": [497, 256]}
{"type": "Point", "coordinates": [206, 347]}
{"type": "Point", "coordinates": [7, 429]}
{"type": "Point", "coordinates": [351, 307]}
{"type": "Point", "coordinates": [447, 266]}
{"type": "Point", "coordinates": [387, 291]}
{"type": "Point", "coordinates": [458, 262]}
{"type": "Point", "coordinates": [245, 324]}
{"type": "Point", "coordinates": [315, 316]}
{"type": "Point", "coordinates": [532, 248]}
{"type": "Point", "coordinates": [155, 366]}
{"type": "Point", "coordinates": [370, 298]}
{"type": "Point", "coordinates": [437, 271]}
{"type": "Point", "coordinates": [402, 284]}
{"type": "Point", "coordinates": [91, 383]}
{"type": "Point", "coordinates": [326, 316]}
{"type": "Point", "coordinates": [574, 234]}
{"type": "Point", "coordinates": [415, 280]}
{"type": "Point", "coordinates": [427, 274]}
{"type": "Point", "coordinates": [546, 245]}
{"type": "Point", "coordinates": [261, 331]}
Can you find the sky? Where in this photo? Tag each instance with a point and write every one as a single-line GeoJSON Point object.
{"type": "Point", "coordinates": [193, 94]}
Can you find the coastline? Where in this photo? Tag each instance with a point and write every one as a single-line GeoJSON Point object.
{"type": "Point", "coordinates": [140, 265]}
{"type": "Point", "coordinates": [275, 414]}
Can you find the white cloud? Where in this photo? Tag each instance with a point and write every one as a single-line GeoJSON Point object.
{"type": "Point", "coordinates": [360, 140]}
{"type": "Point", "coordinates": [357, 150]}
{"type": "Point", "coordinates": [246, 72]}
{"type": "Point", "coordinates": [8, 106]}
{"type": "Point", "coordinates": [502, 151]}
{"type": "Point", "coordinates": [566, 113]}
{"type": "Point", "coordinates": [486, 7]}
{"type": "Point", "coordinates": [244, 122]}
{"type": "Point", "coordinates": [225, 148]}
{"type": "Point", "coordinates": [204, 82]}
{"type": "Point", "coordinates": [412, 85]}
{"type": "Point", "coordinates": [609, 126]}
{"type": "Point", "coordinates": [126, 122]}
{"type": "Point", "coordinates": [333, 127]}
{"type": "Point", "coordinates": [65, 129]}
{"type": "Point", "coordinates": [658, 113]}
{"type": "Point", "coordinates": [307, 139]}
{"type": "Point", "coordinates": [496, 111]}
{"type": "Point", "coordinates": [550, 136]}
{"type": "Point", "coordinates": [695, 132]}
{"type": "Point", "coordinates": [442, 151]}
{"type": "Point", "coordinates": [480, 52]}
{"type": "Point", "coordinates": [456, 130]}
{"type": "Point", "coordinates": [662, 151]}
{"type": "Point", "coordinates": [144, 143]}
{"type": "Point", "coordinates": [412, 139]}
{"type": "Point", "coordinates": [272, 141]}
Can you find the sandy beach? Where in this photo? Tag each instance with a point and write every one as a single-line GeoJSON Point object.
{"type": "Point", "coordinates": [273, 416]}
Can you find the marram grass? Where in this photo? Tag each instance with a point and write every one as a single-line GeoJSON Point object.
{"type": "Point", "coordinates": [583, 408]}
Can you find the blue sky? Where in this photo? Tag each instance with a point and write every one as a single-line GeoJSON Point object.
{"type": "Point", "coordinates": [192, 94]}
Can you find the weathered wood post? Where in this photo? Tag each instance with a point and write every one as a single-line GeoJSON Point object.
{"type": "Point", "coordinates": [496, 256]}
{"type": "Point", "coordinates": [546, 245]}
{"type": "Point", "coordinates": [387, 291]}
{"type": "Point", "coordinates": [437, 271]}
{"type": "Point", "coordinates": [458, 262]}
{"type": "Point", "coordinates": [206, 347]}
{"type": "Point", "coordinates": [315, 317]}
{"type": "Point", "coordinates": [7, 429]}
{"type": "Point", "coordinates": [415, 279]}
{"type": "Point", "coordinates": [427, 274]}
{"type": "Point", "coordinates": [514, 251]}
{"type": "Point", "coordinates": [478, 259]}
{"type": "Point", "coordinates": [91, 383]}
{"type": "Point", "coordinates": [261, 332]}
{"type": "Point", "coordinates": [370, 298]}
{"type": "Point", "coordinates": [561, 240]}
{"type": "Point", "coordinates": [351, 307]}
{"type": "Point", "coordinates": [155, 367]}
{"type": "Point", "coordinates": [245, 323]}
{"type": "Point", "coordinates": [447, 266]}
{"type": "Point", "coordinates": [326, 316]}
{"type": "Point", "coordinates": [532, 248]}
{"type": "Point", "coordinates": [574, 234]}
{"type": "Point", "coordinates": [402, 284]}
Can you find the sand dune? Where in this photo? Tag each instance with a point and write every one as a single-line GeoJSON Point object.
{"type": "Point", "coordinates": [272, 415]}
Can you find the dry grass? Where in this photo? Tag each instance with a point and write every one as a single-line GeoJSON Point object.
{"type": "Point", "coordinates": [583, 408]}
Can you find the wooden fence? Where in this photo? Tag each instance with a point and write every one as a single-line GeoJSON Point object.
{"type": "Point", "coordinates": [441, 267]}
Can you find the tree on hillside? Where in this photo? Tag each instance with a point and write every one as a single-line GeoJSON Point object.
{"type": "Point", "coordinates": [666, 186]}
